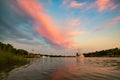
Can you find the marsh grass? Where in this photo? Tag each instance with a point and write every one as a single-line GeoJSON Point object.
{"type": "Point", "coordinates": [9, 60]}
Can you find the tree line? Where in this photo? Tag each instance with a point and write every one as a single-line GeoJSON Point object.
{"type": "Point", "coordinates": [11, 49]}
{"type": "Point", "coordinates": [8, 48]}
{"type": "Point", "coordinates": [114, 52]}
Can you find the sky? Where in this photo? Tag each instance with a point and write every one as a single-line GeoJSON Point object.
{"type": "Point", "coordinates": [60, 26]}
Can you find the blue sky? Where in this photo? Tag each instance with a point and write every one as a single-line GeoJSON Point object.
{"type": "Point", "coordinates": [60, 26]}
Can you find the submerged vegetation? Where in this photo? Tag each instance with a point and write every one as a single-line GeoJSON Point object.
{"type": "Point", "coordinates": [115, 52]}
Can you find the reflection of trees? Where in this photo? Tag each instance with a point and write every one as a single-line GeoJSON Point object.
{"type": "Point", "coordinates": [118, 66]}
{"type": "Point", "coordinates": [4, 72]}
{"type": "Point", "coordinates": [105, 62]}
{"type": "Point", "coordinates": [3, 75]}
{"type": "Point", "coordinates": [112, 63]}
{"type": "Point", "coordinates": [80, 61]}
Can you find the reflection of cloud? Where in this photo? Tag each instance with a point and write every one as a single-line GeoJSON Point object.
{"type": "Point", "coordinates": [64, 70]}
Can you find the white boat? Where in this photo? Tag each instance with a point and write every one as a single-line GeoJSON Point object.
{"type": "Point", "coordinates": [78, 54]}
{"type": "Point", "coordinates": [81, 56]}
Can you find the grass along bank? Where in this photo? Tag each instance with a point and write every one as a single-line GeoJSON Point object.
{"type": "Point", "coordinates": [9, 61]}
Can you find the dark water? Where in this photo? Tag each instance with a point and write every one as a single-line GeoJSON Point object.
{"type": "Point", "coordinates": [68, 69]}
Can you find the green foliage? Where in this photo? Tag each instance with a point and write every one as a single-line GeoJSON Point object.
{"type": "Point", "coordinates": [10, 57]}
{"type": "Point", "coordinates": [11, 49]}
{"type": "Point", "coordinates": [115, 52]}
{"type": "Point", "coordinates": [8, 60]}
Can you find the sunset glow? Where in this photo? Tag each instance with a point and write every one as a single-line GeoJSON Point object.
{"type": "Point", "coordinates": [61, 26]}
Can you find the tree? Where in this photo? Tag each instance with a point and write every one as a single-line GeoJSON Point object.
{"type": "Point", "coordinates": [9, 47]}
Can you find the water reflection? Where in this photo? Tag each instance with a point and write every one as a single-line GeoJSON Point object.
{"type": "Point", "coordinates": [68, 69]}
{"type": "Point", "coordinates": [4, 70]}
{"type": "Point", "coordinates": [3, 75]}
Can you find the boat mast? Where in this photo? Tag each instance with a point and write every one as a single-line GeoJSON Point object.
{"type": "Point", "coordinates": [78, 52]}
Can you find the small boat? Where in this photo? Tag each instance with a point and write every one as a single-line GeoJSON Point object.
{"type": "Point", "coordinates": [81, 56]}
{"type": "Point", "coordinates": [78, 54]}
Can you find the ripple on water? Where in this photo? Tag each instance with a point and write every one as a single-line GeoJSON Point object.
{"type": "Point", "coordinates": [68, 69]}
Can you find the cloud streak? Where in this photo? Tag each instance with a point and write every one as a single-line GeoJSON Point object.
{"type": "Point", "coordinates": [110, 23]}
{"type": "Point", "coordinates": [44, 24]}
{"type": "Point", "coordinates": [75, 4]}
{"type": "Point", "coordinates": [10, 20]}
{"type": "Point", "coordinates": [104, 5]}
{"type": "Point", "coordinates": [59, 23]}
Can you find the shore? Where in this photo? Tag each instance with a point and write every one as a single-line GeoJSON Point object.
{"type": "Point", "coordinates": [9, 61]}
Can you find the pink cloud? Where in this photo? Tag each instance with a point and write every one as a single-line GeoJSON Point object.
{"type": "Point", "coordinates": [103, 5]}
{"type": "Point", "coordinates": [116, 19]}
{"type": "Point", "coordinates": [75, 4]}
{"type": "Point", "coordinates": [110, 23]}
{"type": "Point", "coordinates": [45, 26]}
{"type": "Point", "coordinates": [74, 34]}
{"type": "Point", "coordinates": [73, 23]}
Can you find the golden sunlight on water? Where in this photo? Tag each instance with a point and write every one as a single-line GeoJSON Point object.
{"type": "Point", "coordinates": [68, 69]}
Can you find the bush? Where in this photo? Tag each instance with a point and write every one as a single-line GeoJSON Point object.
{"type": "Point", "coordinates": [8, 60]}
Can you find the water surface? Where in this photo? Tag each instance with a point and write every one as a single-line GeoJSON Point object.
{"type": "Point", "coordinates": [68, 69]}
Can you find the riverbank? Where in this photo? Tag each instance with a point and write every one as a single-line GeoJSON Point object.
{"type": "Point", "coordinates": [114, 52]}
{"type": "Point", "coordinates": [9, 61]}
